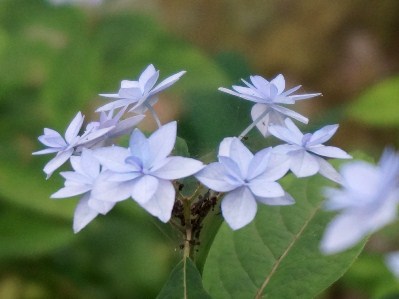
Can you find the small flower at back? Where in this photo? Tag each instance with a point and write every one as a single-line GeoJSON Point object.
{"type": "Point", "coordinates": [305, 150]}
{"type": "Point", "coordinates": [80, 182]}
{"type": "Point", "coordinates": [65, 147]}
{"type": "Point", "coordinates": [269, 96]}
{"type": "Point", "coordinates": [367, 201]}
{"type": "Point", "coordinates": [246, 179]}
{"type": "Point", "coordinates": [141, 94]}
{"type": "Point", "coordinates": [144, 171]}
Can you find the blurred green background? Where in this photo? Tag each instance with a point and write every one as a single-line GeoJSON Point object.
{"type": "Point", "coordinates": [56, 56]}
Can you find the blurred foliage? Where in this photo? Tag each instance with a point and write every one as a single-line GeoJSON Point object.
{"type": "Point", "coordinates": [54, 60]}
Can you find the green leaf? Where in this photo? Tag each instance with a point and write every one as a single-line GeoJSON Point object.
{"type": "Point", "coordinates": [181, 148]}
{"type": "Point", "coordinates": [378, 105]}
{"type": "Point", "coordinates": [277, 255]}
{"type": "Point", "coordinates": [184, 282]}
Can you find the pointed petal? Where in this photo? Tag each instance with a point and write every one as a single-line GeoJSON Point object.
{"type": "Point", "coordinates": [291, 113]}
{"type": "Point", "coordinates": [115, 104]}
{"type": "Point", "coordinates": [326, 170]}
{"type": "Point", "coordinates": [46, 151]}
{"type": "Point", "coordinates": [322, 135]}
{"type": "Point", "coordinates": [239, 208]}
{"type": "Point", "coordinates": [214, 177]}
{"type": "Point", "coordinates": [299, 97]}
{"type": "Point", "coordinates": [83, 215]}
{"type": "Point", "coordinates": [166, 83]}
{"type": "Point", "coordinates": [241, 155]}
{"type": "Point", "coordinates": [90, 165]}
{"type": "Point", "coordinates": [100, 206]}
{"type": "Point", "coordinates": [243, 96]}
{"type": "Point", "coordinates": [178, 167]}
{"type": "Point", "coordinates": [284, 200]}
{"type": "Point", "coordinates": [57, 161]}
{"type": "Point", "coordinates": [148, 78]}
{"type": "Point", "coordinates": [303, 164]}
{"type": "Point", "coordinates": [106, 190]}
{"type": "Point", "coordinates": [143, 188]}
{"type": "Point", "coordinates": [260, 188]}
{"type": "Point", "coordinates": [70, 191]}
{"type": "Point", "coordinates": [259, 163]}
{"type": "Point", "coordinates": [161, 203]}
{"type": "Point", "coordinates": [140, 148]}
{"type": "Point", "coordinates": [73, 129]}
{"type": "Point", "coordinates": [124, 126]}
{"type": "Point", "coordinates": [329, 151]}
{"type": "Point", "coordinates": [288, 133]}
{"type": "Point", "coordinates": [162, 142]}
{"type": "Point", "coordinates": [279, 82]}
{"type": "Point", "coordinates": [113, 158]}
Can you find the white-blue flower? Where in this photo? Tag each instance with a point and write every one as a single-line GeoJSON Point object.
{"type": "Point", "coordinates": [367, 201]}
{"type": "Point", "coordinates": [269, 97]}
{"type": "Point", "coordinates": [80, 182]}
{"type": "Point", "coordinates": [66, 147]}
{"type": "Point", "coordinates": [144, 171]}
{"type": "Point", "coordinates": [246, 179]}
{"type": "Point", "coordinates": [305, 150]}
{"type": "Point", "coordinates": [141, 94]}
{"type": "Point", "coordinates": [392, 263]}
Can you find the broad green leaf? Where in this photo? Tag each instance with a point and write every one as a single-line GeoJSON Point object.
{"type": "Point", "coordinates": [378, 105]}
{"type": "Point", "coordinates": [277, 255]}
{"type": "Point", "coordinates": [27, 234]}
{"type": "Point", "coordinates": [181, 148]}
{"type": "Point", "coordinates": [184, 282]}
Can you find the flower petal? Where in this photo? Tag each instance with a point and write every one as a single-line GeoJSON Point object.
{"type": "Point", "coordinates": [322, 135]}
{"type": "Point", "coordinates": [303, 164]}
{"type": "Point", "coordinates": [284, 200]}
{"type": "Point", "coordinates": [162, 142]}
{"type": "Point", "coordinates": [113, 158]}
{"type": "Point", "coordinates": [143, 188]}
{"type": "Point", "coordinates": [161, 203]}
{"type": "Point", "coordinates": [100, 206]}
{"type": "Point", "coordinates": [106, 190]}
{"type": "Point", "coordinates": [57, 161]}
{"type": "Point", "coordinates": [83, 215]}
{"type": "Point", "coordinates": [239, 208]}
{"type": "Point", "coordinates": [166, 83]}
{"type": "Point", "coordinates": [178, 167]}
{"type": "Point", "coordinates": [326, 170]}
{"type": "Point", "coordinates": [73, 129]}
{"type": "Point", "coordinates": [260, 188]}
{"type": "Point", "coordinates": [214, 176]}
{"type": "Point", "coordinates": [329, 151]}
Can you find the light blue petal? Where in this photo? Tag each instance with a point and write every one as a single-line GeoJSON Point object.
{"type": "Point", "coordinates": [303, 164]}
{"type": "Point", "coordinates": [143, 188]}
{"type": "Point", "coordinates": [239, 208]}
{"type": "Point", "coordinates": [83, 215]}
{"type": "Point", "coordinates": [73, 129]}
{"type": "Point", "coordinates": [178, 167]}
{"type": "Point", "coordinates": [260, 188]}
{"type": "Point", "coordinates": [113, 158]}
{"type": "Point", "coordinates": [57, 161]}
{"type": "Point", "coordinates": [161, 203]}
{"type": "Point", "coordinates": [162, 142]}
{"type": "Point", "coordinates": [214, 176]}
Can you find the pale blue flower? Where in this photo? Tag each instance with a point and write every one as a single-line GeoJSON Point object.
{"type": "Point", "coordinates": [246, 179]}
{"type": "Point", "coordinates": [367, 201]}
{"type": "Point", "coordinates": [269, 98]}
{"type": "Point", "coordinates": [144, 171]}
{"type": "Point", "coordinates": [117, 127]}
{"type": "Point", "coordinates": [140, 94]}
{"type": "Point", "coordinates": [80, 182]}
{"type": "Point", "coordinates": [66, 147]}
{"type": "Point", "coordinates": [305, 150]}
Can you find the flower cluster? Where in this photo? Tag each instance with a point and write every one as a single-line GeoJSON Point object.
{"type": "Point", "coordinates": [105, 173]}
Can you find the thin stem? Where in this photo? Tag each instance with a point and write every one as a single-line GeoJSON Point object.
{"type": "Point", "coordinates": [187, 220]}
{"type": "Point", "coordinates": [254, 123]}
{"type": "Point", "coordinates": [154, 114]}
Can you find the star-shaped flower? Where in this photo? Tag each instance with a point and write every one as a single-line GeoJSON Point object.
{"type": "Point", "coordinates": [305, 150]}
{"type": "Point", "coordinates": [269, 96]}
{"type": "Point", "coordinates": [246, 179]}
{"type": "Point", "coordinates": [142, 94]}
{"type": "Point", "coordinates": [65, 147]}
{"type": "Point", "coordinates": [368, 200]}
{"type": "Point", "coordinates": [80, 182]}
{"type": "Point", "coordinates": [144, 171]}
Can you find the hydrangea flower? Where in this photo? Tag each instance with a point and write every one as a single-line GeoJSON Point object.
{"type": "Point", "coordinates": [80, 182]}
{"type": "Point", "coordinates": [367, 201]}
{"type": "Point", "coordinates": [269, 96]}
{"type": "Point", "coordinates": [246, 179]}
{"type": "Point", "coordinates": [305, 150]}
{"type": "Point", "coordinates": [118, 127]}
{"type": "Point", "coordinates": [65, 147]}
{"type": "Point", "coordinates": [142, 94]}
{"type": "Point", "coordinates": [144, 171]}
